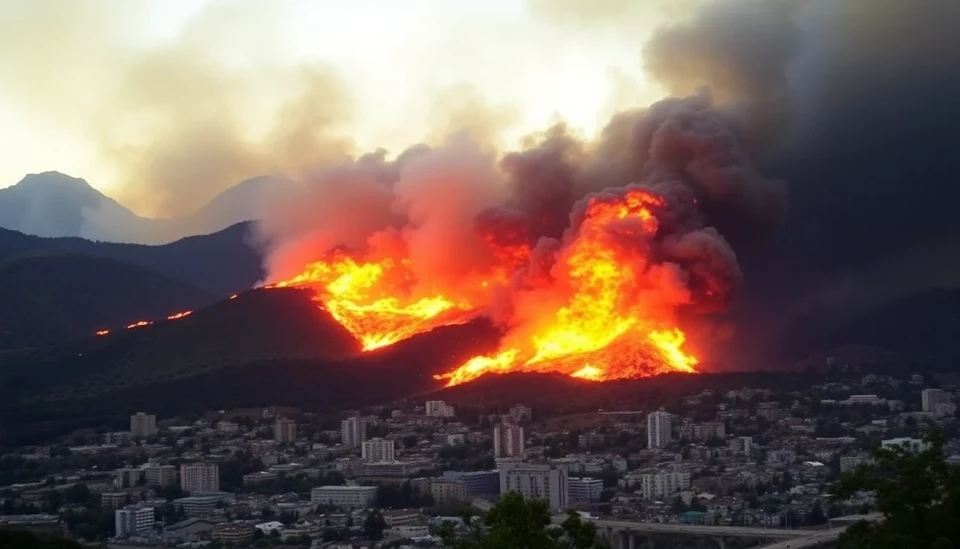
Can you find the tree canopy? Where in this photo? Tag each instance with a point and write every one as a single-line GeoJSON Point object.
{"type": "Point", "coordinates": [918, 494]}
{"type": "Point", "coordinates": [517, 522]}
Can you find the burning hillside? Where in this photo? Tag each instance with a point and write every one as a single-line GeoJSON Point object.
{"type": "Point", "coordinates": [586, 254]}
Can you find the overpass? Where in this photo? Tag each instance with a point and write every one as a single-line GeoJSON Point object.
{"type": "Point", "coordinates": [623, 534]}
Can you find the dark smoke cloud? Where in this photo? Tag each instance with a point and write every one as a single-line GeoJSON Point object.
{"type": "Point", "coordinates": [850, 101]}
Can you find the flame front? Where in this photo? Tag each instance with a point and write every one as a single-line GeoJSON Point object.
{"type": "Point", "coordinates": [603, 309]}
{"type": "Point", "coordinates": [608, 304]}
{"type": "Point", "coordinates": [370, 299]}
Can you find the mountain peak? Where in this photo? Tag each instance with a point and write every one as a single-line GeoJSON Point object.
{"type": "Point", "coordinates": [55, 180]}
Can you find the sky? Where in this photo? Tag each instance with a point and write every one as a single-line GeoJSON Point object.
{"type": "Point", "coordinates": [171, 91]}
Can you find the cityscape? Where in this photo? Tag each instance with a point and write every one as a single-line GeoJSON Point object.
{"type": "Point", "coordinates": [748, 463]}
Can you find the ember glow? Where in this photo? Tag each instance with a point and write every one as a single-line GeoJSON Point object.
{"type": "Point", "coordinates": [179, 315]}
{"type": "Point", "coordinates": [139, 324]}
{"type": "Point", "coordinates": [102, 332]}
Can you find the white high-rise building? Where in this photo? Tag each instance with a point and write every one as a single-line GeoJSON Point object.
{"type": "Point", "coordinates": [353, 432]}
{"type": "Point", "coordinates": [200, 478]}
{"type": "Point", "coordinates": [508, 440]}
{"type": "Point", "coordinates": [659, 485]}
{"type": "Point", "coordinates": [143, 425]}
{"type": "Point", "coordinates": [658, 429]}
{"type": "Point", "coordinates": [438, 408]}
{"type": "Point", "coordinates": [932, 397]}
{"type": "Point", "coordinates": [378, 449]}
{"type": "Point", "coordinates": [133, 520]}
{"type": "Point", "coordinates": [537, 482]}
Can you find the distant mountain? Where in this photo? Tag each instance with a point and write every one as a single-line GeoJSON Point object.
{"type": "Point", "coordinates": [221, 263]}
{"type": "Point", "coordinates": [52, 297]}
{"type": "Point", "coordinates": [52, 204]}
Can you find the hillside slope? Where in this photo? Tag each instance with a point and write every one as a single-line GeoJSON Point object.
{"type": "Point", "coordinates": [221, 263]}
{"type": "Point", "coordinates": [49, 298]}
{"type": "Point", "coordinates": [257, 326]}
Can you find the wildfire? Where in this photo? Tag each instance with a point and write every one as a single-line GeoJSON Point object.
{"type": "Point", "coordinates": [371, 299]}
{"type": "Point", "coordinates": [102, 332]}
{"type": "Point", "coordinates": [609, 313]}
{"type": "Point", "coordinates": [179, 315]}
{"type": "Point", "coordinates": [603, 309]}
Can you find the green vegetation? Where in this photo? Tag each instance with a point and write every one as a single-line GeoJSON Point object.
{"type": "Point", "coordinates": [918, 494]}
{"type": "Point", "coordinates": [516, 522]}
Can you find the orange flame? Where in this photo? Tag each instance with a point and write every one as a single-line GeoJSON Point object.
{"type": "Point", "coordinates": [179, 315]}
{"type": "Point", "coordinates": [139, 324]}
{"type": "Point", "coordinates": [610, 304]}
{"type": "Point", "coordinates": [369, 299]}
{"type": "Point", "coordinates": [102, 332]}
{"type": "Point", "coordinates": [234, 296]}
{"type": "Point", "coordinates": [603, 309]}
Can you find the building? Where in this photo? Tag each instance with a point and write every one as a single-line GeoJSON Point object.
{"type": "Point", "coordinates": [662, 485]}
{"type": "Point", "coordinates": [353, 432]}
{"type": "Point", "coordinates": [378, 449]}
{"type": "Point", "coordinates": [388, 468]}
{"type": "Point", "coordinates": [202, 506]}
{"type": "Point", "coordinates": [127, 477]}
{"type": "Point", "coordinates": [285, 430]}
{"type": "Point", "coordinates": [933, 397]}
{"type": "Point", "coordinates": [113, 500]}
{"type": "Point", "coordinates": [658, 429]}
{"type": "Point", "coordinates": [235, 534]}
{"type": "Point", "coordinates": [537, 481]}
{"type": "Point", "coordinates": [446, 491]}
{"type": "Point", "coordinates": [160, 475]}
{"type": "Point", "coordinates": [850, 463]}
{"type": "Point", "coordinates": [477, 483]}
{"type": "Point", "coordinates": [439, 408]}
{"type": "Point", "coordinates": [35, 523]}
{"type": "Point", "coordinates": [143, 425]}
{"type": "Point", "coordinates": [584, 490]}
{"type": "Point", "coordinates": [914, 444]}
{"type": "Point", "coordinates": [521, 413]}
{"type": "Point", "coordinates": [353, 497]}
{"type": "Point", "coordinates": [770, 411]}
{"type": "Point", "coordinates": [200, 478]}
{"type": "Point", "coordinates": [117, 437]}
{"type": "Point", "coordinates": [741, 445]}
{"type": "Point", "coordinates": [228, 427]}
{"type": "Point", "coordinates": [701, 432]}
{"type": "Point", "coordinates": [508, 440]}
{"type": "Point", "coordinates": [130, 521]}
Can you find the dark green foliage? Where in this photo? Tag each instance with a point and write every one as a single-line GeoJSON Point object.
{"type": "Point", "coordinates": [516, 522]}
{"type": "Point", "coordinates": [918, 494]}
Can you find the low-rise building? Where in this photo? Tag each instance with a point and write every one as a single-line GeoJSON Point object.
{"type": "Point", "coordinates": [353, 497]}
{"type": "Point", "coordinates": [584, 490]}
{"type": "Point", "coordinates": [236, 534]}
{"type": "Point", "coordinates": [446, 492]}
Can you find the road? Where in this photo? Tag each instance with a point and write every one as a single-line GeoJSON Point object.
{"type": "Point", "coordinates": [700, 530]}
{"type": "Point", "coordinates": [821, 537]}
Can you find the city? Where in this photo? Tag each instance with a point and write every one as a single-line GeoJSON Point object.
{"type": "Point", "coordinates": [753, 465]}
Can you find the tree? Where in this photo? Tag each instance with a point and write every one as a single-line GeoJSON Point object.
{"type": "Point", "coordinates": [374, 526]}
{"type": "Point", "coordinates": [917, 493]}
{"type": "Point", "coordinates": [516, 522]}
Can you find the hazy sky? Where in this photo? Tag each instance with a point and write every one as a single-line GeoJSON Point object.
{"type": "Point", "coordinates": [121, 90]}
